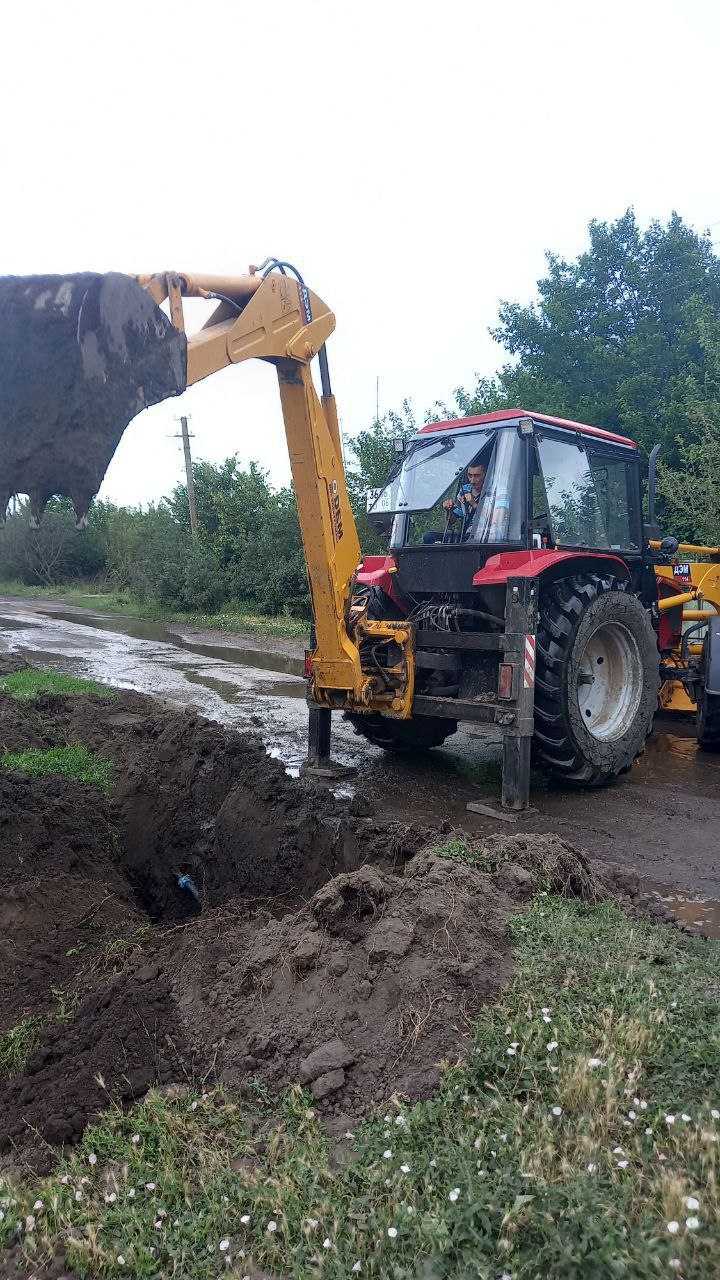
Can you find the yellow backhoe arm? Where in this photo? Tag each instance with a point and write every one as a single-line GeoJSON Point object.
{"type": "Point", "coordinates": [277, 318]}
{"type": "Point", "coordinates": [83, 354]}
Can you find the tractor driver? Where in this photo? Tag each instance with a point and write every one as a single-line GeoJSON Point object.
{"type": "Point", "coordinates": [464, 505]}
{"type": "Point", "coordinates": [468, 495]}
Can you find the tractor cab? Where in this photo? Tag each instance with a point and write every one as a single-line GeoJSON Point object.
{"type": "Point", "coordinates": [466, 489]}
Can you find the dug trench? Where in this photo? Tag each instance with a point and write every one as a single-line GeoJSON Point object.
{"type": "Point", "coordinates": [312, 942]}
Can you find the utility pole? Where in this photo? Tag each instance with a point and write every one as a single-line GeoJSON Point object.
{"type": "Point", "coordinates": [186, 438]}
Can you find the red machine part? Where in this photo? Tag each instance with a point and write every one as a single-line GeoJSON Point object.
{"type": "Point", "coordinates": [532, 564]}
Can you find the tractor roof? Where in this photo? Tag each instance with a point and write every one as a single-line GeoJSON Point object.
{"type": "Point", "coordinates": [507, 415]}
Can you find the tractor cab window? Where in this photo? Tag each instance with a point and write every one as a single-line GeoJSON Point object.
{"type": "Point", "coordinates": [614, 478]}
{"type": "Point", "coordinates": [575, 518]}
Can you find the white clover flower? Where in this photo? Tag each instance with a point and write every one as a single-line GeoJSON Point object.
{"type": "Point", "coordinates": [38, 1205]}
{"type": "Point", "coordinates": [404, 1168]}
{"type": "Point", "coordinates": [245, 1219]}
{"type": "Point", "coordinates": [388, 1182]}
{"type": "Point", "coordinates": [662, 1157]}
{"type": "Point", "coordinates": [691, 1202]}
{"type": "Point", "coordinates": [327, 1242]}
{"type": "Point", "coordinates": [674, 1263]}
{"type": "Point", "coordinates": [66, 1179]}
{"type": "Point", "coordinates": [623, 1164]}
{"type": "Point", "coordinates": [673, 1227]}
{"type": "Point", "coordinates": [478, 1143]}
{"type": "Point", "coordinates": [715, 1113]}
{"type": "Point", "coordinates": [618, 1151]}
{"type": "Point", "coordinates": [433, 1163]}
{"type": "Point", "coordinates": [110, 1197]}
{"type": "Point", "coordinates": [592, 1167]}
{"type": "Point", "coordinates": [514, 1044]}
{"type": "Point", "coordinates": [149, 1186]}
{"type": "Point", "coordinates": [120, 1260]}
{"type": "Point", "coordinates": [135, 1138]}
{"type": "Point", "coordinates": [224, 1245]}
{"type": "Point", "coordinates": [557, 1111]}
{"type": "Point", "coordinates": [673, 1004]}
{"type": "Point", "coordinates": [312, 1222]}
{"type": "Point", "coordinates": [30, 1223]}
{"type": "Point", "coordinates": [158, 1224]}
{"type": "Point", "coordinates": [401, 1120]}
{"type": "Point", "coordinates": [545, 1009]}
{"type": "Point", "coordinates": [271, 1226]}
{"type": "Point", "coordinates": [356, 1266]}
{"type": "Point", "coordinates": [551, 1044]}
{"type": "Point", "coordinates": [692, 1224]}
{"type": "Point", "coordinates": [643, 1105]}
{"type": "Point", "coordinates": [78, 1195]}
{"type": "Point", "coordinates": [669, 1119]}
{"type": "Point", "coordinates": [648, 1131]}
{"type": "Point", "coordinates": [546, 1018]}
{"type": "Point", "coordinates": [685, 1117]}
{"type": "Point", "coordinates": [92, 1158]}
{"type": "Point", "coordinates": [632, 1115]}
{"type": "Point", "coordinates": [392, 1232]}
{"type": "Point", "coordinates": [387, 1154]}
{"type": "Point", "coordinates": [595, 1062]}
{"type": "Point", "coordinates": [132, 1193]}
{"type": "Point", "coordinates": [410, 1210]}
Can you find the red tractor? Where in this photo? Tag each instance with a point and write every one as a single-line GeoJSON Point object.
{"type": "Point", "coordinates": [516, 546]}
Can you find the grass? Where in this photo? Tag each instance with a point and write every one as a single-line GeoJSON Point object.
{"type": "Point", "coordinates": [235, 617]}
{"type": "Point", "coordinates": [26, 685]}
{"type": "Point", "coordinates": [75, 762]}
{"type": "Point", "coordinates": [17, 1044]}
{"type": "Point", "coordinates": [583, 1126]}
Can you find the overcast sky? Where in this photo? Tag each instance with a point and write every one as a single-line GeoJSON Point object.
{"type": "Point", "coordinates": [413, 159]}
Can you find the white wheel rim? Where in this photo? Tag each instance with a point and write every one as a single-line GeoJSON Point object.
{"type": "Point", "coordinates": [610, 681]}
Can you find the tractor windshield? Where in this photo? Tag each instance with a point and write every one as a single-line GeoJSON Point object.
{"type": "Point", "coordinates": [466, 488]}
{"type": "Point", "coordinates": [429, 467]}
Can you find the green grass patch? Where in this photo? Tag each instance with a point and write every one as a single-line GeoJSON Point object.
{"type": "Point", "coordinates": [17, 1044]}
{"type": "Point", "coordinates": [235, 617]}
{"type": "Point", "coordinates": [26, 685]}
{"type": "Point", "coordinates": [75, 762]}
{"type": "Point", "coordinates": [582, 1127]}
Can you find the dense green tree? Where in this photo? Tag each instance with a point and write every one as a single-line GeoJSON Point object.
{"type": "Point", "coordinates": [618, 337]}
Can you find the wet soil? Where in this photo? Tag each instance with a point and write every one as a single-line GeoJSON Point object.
{"type": "Point", "coordinates": [82, 355]}
{"type": "Point", "coordinates": [315, 945]}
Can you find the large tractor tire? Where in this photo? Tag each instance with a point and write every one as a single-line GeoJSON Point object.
{"type": "Point", "coordinates": [597, 680]}
{"type": "Point", "coordinates": [708, 709]}
{"type": "Point", "coordinates": [402, 737]}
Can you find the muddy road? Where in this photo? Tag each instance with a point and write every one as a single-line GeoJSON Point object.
{"type": "Point", "coordinates": [663, 819]}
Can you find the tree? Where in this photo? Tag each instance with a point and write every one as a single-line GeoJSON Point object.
{"type": "Point", "coordinates": [618, 337]}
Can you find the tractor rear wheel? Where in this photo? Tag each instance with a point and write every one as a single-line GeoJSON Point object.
{"type": "Point", "coordinates": [402, 737]}
{"type": "Point", "coordinates": [597, 679]}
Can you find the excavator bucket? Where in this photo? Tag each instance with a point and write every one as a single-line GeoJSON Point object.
{"type": "Point", "coordinates": [80, 356]}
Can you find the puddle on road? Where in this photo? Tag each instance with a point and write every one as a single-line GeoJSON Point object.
{"type": "Point", "coordinates": [233, 693]}
{"type": "Point", "coordinates": [141, 629]}
{"type": "Point", "coordinates": [702, 915]}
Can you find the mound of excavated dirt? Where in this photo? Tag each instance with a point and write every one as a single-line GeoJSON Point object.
{"type": "Point", "coordinates": [321, 950]}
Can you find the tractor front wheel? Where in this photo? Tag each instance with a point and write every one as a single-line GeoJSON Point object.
{"type": "Point", "coordinates": [597, 679]}
{"type": "Point", "coordinates": [402, 737]}
{"type": "Point", "coordinates": [708, 717]}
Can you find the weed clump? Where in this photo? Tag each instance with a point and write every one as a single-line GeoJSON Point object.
{"type": "Point", "coordinates": [27, 684]}
{"type": "Point", "coordinates": [75, 762]}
